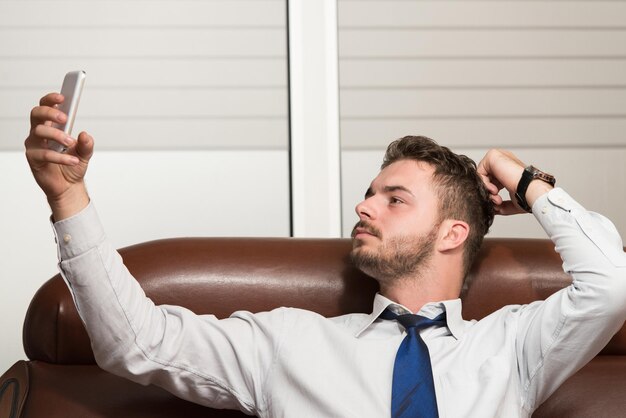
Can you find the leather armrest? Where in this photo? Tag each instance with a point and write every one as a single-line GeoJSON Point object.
{"type": "Point", "coordinates": [86, 391]}
{"type": "Point", "coordinates": [14, 385]}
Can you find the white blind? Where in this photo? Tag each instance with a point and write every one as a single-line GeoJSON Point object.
{"type": "Point", "coordinates": [483, 73]}
{"type": "Point", "coordinates": [194, 74]}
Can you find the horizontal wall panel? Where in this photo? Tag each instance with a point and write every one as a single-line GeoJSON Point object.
{"type": "Point", "coordinates": [147, 72]}
{"type": "Point", "coordinates": [161, 74]}
{"type": "Point", "coordinates": [482, 73]}
{"type": "Point", "coordinates": [166, 133]}
{"type": "Point", "coordinates": [385, 43]}
{"type": "Point", "coordinates": [169, 103]}
{"type": "Point", "coordinates": [488, 132]}
{"type": "Point", "coordinates": [386, 13]}
{"type": "Point", "coordinates": [89, 14]}
{"type": "Point", "coordinates": [141, 43]}
{"type": "Point", "coordinates": [404, 103]}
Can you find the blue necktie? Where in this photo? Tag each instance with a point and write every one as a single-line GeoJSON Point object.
{"type": "Point", "coordinates": [413, 390]}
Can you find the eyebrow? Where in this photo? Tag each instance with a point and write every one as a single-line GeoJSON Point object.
{"type": "Point", "coordinates": [389, 189]}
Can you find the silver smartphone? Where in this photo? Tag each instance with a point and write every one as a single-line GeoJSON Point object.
{"type": "Point", "coordinates": [71, 89]}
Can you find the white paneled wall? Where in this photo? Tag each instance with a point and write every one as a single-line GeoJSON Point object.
{"type": "Point", "coordinates": [187, 101]}
{"type": "Point", "coordinates": [160, 74]}
{"type": "Point", "coordinates": [546, 79]}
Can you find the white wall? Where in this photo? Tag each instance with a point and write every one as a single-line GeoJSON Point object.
{"type": "Point", "coordinates": [187, 101]}
{"type": "Point", "coordinates": [163, 74]}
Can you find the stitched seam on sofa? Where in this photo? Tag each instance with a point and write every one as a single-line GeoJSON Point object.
{"type": "Point", "coordinates": [155, 359]}
{"type": "Point", "coordinates": [16, 393]}
{"type": "Point", "coordinates": [541, 363]}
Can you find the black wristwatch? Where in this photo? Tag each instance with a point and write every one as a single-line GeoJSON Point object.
{"type": "Point", "coordinates": [530, 173]}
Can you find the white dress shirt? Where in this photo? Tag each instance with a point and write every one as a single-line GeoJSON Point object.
{"type": "Point", "coordinates": [295, 363]}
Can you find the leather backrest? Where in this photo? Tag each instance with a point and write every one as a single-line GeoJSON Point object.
{"type": "Point", "coordinates": [222, 275]}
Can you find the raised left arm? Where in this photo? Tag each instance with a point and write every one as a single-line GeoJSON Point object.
{"type": "Point", "coordinates": [558, 336]}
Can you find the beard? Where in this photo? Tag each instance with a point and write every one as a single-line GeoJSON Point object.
{"type": "Point", "coordinates": [395, 259]}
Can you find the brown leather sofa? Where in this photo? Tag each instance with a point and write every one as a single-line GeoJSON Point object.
{"type": "Point", "coordinates": [213, 275]}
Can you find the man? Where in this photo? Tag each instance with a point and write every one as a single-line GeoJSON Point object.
{"type": "Point", "coordinates": [420, 225]}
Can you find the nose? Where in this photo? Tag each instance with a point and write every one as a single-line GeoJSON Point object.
{"type": "Point", "coordinates": [365, 209]}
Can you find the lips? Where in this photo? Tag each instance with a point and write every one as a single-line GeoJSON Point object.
{"type": "Point", "coordinates": [361, 231]}
{"type": "Point", "coordinates": [363, 228]}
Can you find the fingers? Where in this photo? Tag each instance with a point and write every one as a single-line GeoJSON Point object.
{"type": "Point", "coordinates": [51, 99]}
{"type": "Point", "coordinates": [46, 112]}
{"type": "Point", "coordinates": [507, 208]}
{"type": "Point", "coordinates": [84, 147]}
{"type": "Point", "coordinates": [79, 150]}
{"type": "Point", "coordinates": [485, 171]}
{"type": "Point", "coordinates": [496, 199]}
{"type": "Point", "coordinates": [41, 134]}
{"type": "Point", "coordinates": [492, 185]}
{"type": "Point", "coordinates": [41, 119]}
{"type": "Point", "coordinates": [483, 167]}
{"type": "Point", "coordinates": [41, 156]}
{"type": "Point", "coordinates": [42, 114]}
{"type": "Point", "coordinates": [502, 168]}
{"type": "Point", "coordinates": [494, 170]}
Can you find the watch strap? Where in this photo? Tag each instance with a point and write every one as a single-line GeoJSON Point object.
{"type": "Point", "coordinates": [530, 173]}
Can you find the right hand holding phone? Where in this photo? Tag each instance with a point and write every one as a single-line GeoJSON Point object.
{"type": "Point", "coordinates": [60, 175]}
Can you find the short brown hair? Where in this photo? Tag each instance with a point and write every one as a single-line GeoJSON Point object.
{"type": "Point", "coordinates": [462, 194]}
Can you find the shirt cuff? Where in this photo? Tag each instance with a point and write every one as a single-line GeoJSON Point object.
{"type": "Point", "coordinates": [555, 197]}
{"type": "Point", "coordinates": [557, 208]}
{"type": "Point", "coordinates": [78, 234]}
{"type": "Point", "coordinates": [555, 203]}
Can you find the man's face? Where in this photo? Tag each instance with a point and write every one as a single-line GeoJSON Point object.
{"type": "Point", "coordinates": [398, 222]}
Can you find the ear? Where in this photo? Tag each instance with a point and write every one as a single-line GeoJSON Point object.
{"type": "Point", "coordinates": [453, 234]}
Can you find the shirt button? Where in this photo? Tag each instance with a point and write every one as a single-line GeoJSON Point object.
{"type": "Point", "coordinates": [67, 238]}
{"type": "Point", "coordinates": [545, 209]}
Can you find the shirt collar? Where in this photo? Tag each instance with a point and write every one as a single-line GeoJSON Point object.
{"type": "Point", "coordinates": [452, 308]}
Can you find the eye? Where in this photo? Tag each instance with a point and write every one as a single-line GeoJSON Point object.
{"type": "Point", "coordinates": [395, 200]}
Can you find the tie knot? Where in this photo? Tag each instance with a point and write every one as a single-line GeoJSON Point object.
{"type": "Point", "coordinates": [414, 321]}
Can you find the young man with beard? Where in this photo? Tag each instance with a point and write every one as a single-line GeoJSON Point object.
{"type": "Point", "coordinates": [420, 226]}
